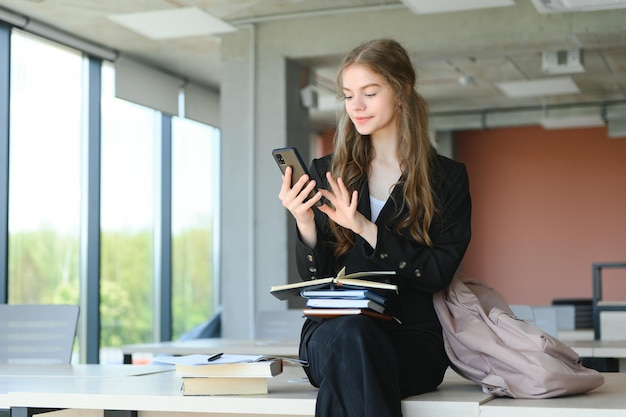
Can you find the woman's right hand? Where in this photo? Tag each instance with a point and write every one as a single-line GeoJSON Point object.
{"type": "Point", "coordinates": [293, 199]}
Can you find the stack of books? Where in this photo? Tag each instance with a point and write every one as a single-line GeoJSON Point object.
{"type": "Point", "coordinates": [342, 295]}
{"type": "Point", "coordinates": [329, 303]}
{"type": "Point", "coordinates": [224, 374]}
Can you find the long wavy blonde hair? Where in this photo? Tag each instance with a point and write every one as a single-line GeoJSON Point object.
{"type": "Point", "coordinates": [353, 152]}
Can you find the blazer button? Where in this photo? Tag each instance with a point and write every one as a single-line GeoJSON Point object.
{"type": "Point", "coordinates": [310, 258]}
{"type": "Point", "coordinates": [418, 273]}
{"type": "Point", "coordinates": [402, 265]}
{"type": "Point", "coordinates": [312, 269]}
{"type": "Point", "coordinates": [384, 255]}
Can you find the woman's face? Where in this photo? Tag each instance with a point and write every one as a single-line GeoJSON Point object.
{"type": "Point", "coordinates": [369, 101]}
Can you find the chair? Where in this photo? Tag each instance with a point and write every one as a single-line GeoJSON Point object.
{"type": "Point", "coordinates": [583, 311]}
{"type": "Point", "coordinates": [37, 333]}
{"type": "Point", "coordinates": [565, 317]}
{"type": "Point", "coordinates": [599, 305]}
{"type": "Point", "coordinates": [523, 312]}
{"type": "Point", "coordinates": [209, 329]}
{"type": "Point", "coordinates": [550, 319]}
{"type": "Point", "coordinates": [546, 319]}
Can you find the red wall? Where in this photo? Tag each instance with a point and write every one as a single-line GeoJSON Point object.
{"type": "Point", "coordinates": [546, 205]}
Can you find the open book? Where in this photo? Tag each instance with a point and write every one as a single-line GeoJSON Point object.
{"type": "Point", "coordinates": [233, 366]}
{"type": "Point", "coordinates": [354, 280]}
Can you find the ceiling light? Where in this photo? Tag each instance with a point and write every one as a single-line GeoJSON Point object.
{"type": "Point", "coordinates": [439, 6]}
{"type": "Point", "coordinates": [574, 116]}
{"type": "Point", "coordinates": [562, 6]}
{"type": "Point", "coordinates": [541, 87]}
{"type": "Point", "coordinates": [173, 23]}
{"type": "Point", "coordinates": [590, 120]}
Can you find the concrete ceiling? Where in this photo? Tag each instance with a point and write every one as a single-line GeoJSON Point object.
{"type": "Point", "coordinates": [460, 56]}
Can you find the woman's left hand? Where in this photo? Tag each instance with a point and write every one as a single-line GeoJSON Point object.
{"type": "Point", "coordinates": [343, 209]}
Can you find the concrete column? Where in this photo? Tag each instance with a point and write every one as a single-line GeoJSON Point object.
{"type": "Point", "coordinates": [261, 110]}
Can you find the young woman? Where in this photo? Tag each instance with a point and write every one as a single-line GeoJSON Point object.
{"type": "Point", "coordinates": [390, 203]}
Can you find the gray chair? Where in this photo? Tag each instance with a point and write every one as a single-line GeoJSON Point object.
{"type": "Point", "coordinates": [546, 319]}
{"type": "Point", "coordinates": [550, 319]}
{"type": "Point", "coordinates": [210, 328]}
{"type": "Point", "coordinates": [523, 312]}
{"type": "Point", "coordinates": [565, 317]}
{"type": "Point", "coordinates": [37, 333]}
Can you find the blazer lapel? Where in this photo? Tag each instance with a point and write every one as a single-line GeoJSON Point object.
{"type": "Point", "coordinates": [364, 207]}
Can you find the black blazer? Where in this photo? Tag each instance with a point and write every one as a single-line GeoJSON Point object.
{"type": "Point", "coordinates": [420, 270]}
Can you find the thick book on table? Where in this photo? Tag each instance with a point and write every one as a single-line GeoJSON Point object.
{"type": "Point", "coordinates": [344, 303]}
{"type": "Point", "coordinates": [328, 313]}
{"type": "Point", "coordinates": [231, 366]}
{"type": "Point", "coordinates": [354, 280]}
{"type": "Point", "coordinates": [224, 386]}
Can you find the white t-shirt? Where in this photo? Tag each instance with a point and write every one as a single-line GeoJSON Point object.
{"type": "Point", "coordinates": [376, 205]}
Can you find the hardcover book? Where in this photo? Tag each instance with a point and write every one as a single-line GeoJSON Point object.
{"type": "Point", "coordinates": [224, 386]}
{"type": "Point", "coordinates": [345, 294]}
{"type": "Point", "coordinates": [328, 313]}
{"type": "Point", "coordinates": [227, 366]}
{"type": "Point", "coordinates": [344, 303]}
{"type": "Point", "coordinates": [354, 280]}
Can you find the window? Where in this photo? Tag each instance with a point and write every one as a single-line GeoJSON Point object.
{"type": "Point", "coordinates": [44, 171]}
{"type": "Point", "coordinates": [48, 120]}
{"type": "Point", "coordinates": [195, 166]}
{"type": "Point", "coordinates": [129, 134]}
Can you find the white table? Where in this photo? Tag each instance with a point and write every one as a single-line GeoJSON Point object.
{"type": "Point", "coordinates": [601, 349]}
{"type": "Point", "coordinates": [608, 400]}
{"type": "Point", "coordinates": [289, 348]}
{"type": "Point", "coordinates": [80, 371]}
{"type": "Point", "coordinates": [159, 395]}
{"type": "Point", "coordinates": [283, 348]}
{"type": "Point", "coordinates": [156, 393]}
{"type": "Point", "coordinates": [23, 377]}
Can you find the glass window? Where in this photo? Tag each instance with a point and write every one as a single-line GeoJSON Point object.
{"type": "Point", "coordinates": [195, 166]}
{"type": "Point", "coordinates": [129, 134]}
{"type": "Point", "coordinates": [47, 129]}
{"type": "Point", "coordinates": [44, 171]}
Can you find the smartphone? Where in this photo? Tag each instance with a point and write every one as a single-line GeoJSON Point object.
{"type": "Point", "coordinates": [285, 157]}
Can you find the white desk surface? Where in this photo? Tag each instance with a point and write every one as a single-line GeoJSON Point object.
{"type": "Point", "coordinates": [84, 371]}
{"type": "Point", "coordinates": [23, 377]}
{"type": "Point", "coordinates": [455, 397]}
{"type": "Point", "coordinates": [584, 348]}
{"type": "Point", "coordinates": [609, 400]}
{"type": "Point", "coordinates": [599, 348]}
{"type": "Point", "coordinates": [609, 348]}
{"type": "Point", "coordinates": [159, 394]}
{"type": "Point", "coordinates": [287, 348]}
{"type": "Point", "coordinates": [581, 334]}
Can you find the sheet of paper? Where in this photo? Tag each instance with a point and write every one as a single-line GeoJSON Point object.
{"type": "Point", "coordinates": [197, 359]}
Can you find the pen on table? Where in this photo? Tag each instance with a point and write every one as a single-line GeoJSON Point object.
{"type": "Point", "coordinates": [214, 357]}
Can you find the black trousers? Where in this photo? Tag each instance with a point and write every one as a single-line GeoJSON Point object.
{"type": "Point", "coordinates": [364, 367]}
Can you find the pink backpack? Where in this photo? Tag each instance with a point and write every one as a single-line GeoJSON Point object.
{"type": "Point", "coordinates": [507, 356]}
